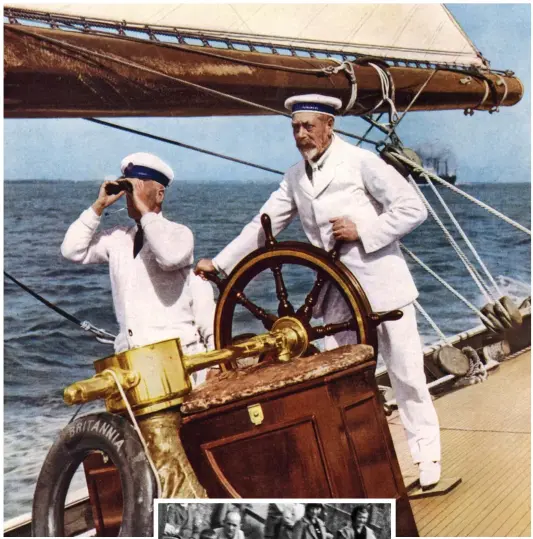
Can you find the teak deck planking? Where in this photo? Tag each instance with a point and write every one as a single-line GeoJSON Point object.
{"type": "Point", "coordinates": [486, 441]}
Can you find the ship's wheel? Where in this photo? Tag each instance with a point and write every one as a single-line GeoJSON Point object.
{"type": "Point", "coordinates": [325, 275]}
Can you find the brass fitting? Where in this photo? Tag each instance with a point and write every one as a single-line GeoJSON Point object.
{"type": "Point", "coordinates": [100, 386]}
{"type": "Point", "coordinates": [294, 339]}
{"type": "Point", "coordinates": [156, 377]}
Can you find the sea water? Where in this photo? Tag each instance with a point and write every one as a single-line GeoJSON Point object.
{"type": "Point", "coordinates": [43, 352]}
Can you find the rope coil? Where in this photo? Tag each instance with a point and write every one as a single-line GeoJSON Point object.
{"type": "Point", "coordinates": [476, 373]}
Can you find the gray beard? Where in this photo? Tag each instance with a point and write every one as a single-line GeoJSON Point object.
{"type": "Point", "coordinates": [309, 154]}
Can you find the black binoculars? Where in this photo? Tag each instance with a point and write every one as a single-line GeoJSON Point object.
{"type": "Point", "coordinates": [120, 185]}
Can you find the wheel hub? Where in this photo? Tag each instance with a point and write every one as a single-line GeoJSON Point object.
{"type": "Point", "coordinates": [295, 335]}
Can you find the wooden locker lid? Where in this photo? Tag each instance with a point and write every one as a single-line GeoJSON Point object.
{"type": "Point", "coordinates": [234, 385]}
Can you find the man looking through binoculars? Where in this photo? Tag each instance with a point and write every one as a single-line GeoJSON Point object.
{"type": "Point", "coordinates": [156, 296]}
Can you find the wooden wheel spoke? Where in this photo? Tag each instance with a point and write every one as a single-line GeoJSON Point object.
{"type": "Point", "coordinates": [265, 317]}
{"type": "Point", "coordinates": [285, 307]}
{"type": "Point", "coordinates": [306, 310]}
{"type": "Point", "coordinates": [331, 329]}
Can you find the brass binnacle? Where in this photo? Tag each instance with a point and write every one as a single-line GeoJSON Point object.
{"type": "Point", "coordinates": [163, 380]}
{"type": "Point", "coordinates": [157, 377]}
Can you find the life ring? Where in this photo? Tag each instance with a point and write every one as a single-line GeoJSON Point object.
{"type": "Point", "coordinates": [115, 436]}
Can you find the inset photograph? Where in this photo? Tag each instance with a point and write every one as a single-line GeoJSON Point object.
{"type": "Point", "coordinates": [288, 519]}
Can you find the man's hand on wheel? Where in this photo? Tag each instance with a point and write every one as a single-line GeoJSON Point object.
{"type": "Point", "coordinates": [204, 265]}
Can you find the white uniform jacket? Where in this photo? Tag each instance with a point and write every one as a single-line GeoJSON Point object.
{"type": "Point", "coordinates": [156, 295]}
{"type": "Point", "coordinates": [347, 182]}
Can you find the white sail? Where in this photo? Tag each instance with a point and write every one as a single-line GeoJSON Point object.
{"type": "Point", "coordinates": [414, 32]}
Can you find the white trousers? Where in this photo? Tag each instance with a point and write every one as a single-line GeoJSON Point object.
{"type": "Point", "coordinates": [400, 348]}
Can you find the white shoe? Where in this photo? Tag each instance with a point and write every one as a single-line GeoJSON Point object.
{"type": "Point", "coordinates": [429, 473]}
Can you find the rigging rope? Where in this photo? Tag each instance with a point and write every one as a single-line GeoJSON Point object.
{"type": "Point", "coordinates": [431, 322]}
{"type": "Point", "coordinates": [181, 144]}
{"type": "Point", "coordinates": [447, 285]}
{"type": "Point", "coordinates": [490, 209]}
{"type": "Point", "coordinates": [101, 334]}
{"type": "Point", "coordinates": [375, 124]}
{"type": "Point", "coordinates": [413, 101]}
{"type": "Point", "coordinates": [452, 241]}
{"type": "Point", "coordinates": [463, 235]}
{"type": "Point", "coordinates": [370, 128]}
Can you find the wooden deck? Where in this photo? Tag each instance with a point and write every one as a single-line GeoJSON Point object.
{"type": "Point", "coordinates": [486, 441]}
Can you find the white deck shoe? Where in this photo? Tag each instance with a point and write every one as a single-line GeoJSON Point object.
{"type": "Point", "coordinates": [429, 474]}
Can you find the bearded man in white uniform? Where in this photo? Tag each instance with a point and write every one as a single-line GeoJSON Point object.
{"type": "Point", "coordinates": [342, 192]}
{"type": "Point", "coordinates": [156, 295]}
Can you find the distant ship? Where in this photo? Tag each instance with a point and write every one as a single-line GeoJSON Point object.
{"type": "Point", "coordinates": [440, 163]}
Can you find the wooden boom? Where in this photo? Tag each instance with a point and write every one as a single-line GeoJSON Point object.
{"type": "Point", "coordinates": [51, 79]}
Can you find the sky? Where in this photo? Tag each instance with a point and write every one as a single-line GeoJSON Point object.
{"type": "Point", "coordinates": [486, 147]}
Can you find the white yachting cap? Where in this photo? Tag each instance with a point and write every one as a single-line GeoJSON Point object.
{"type": "Point", "coordinates": [146, 166]}
{"type": "Point", "coordinates": [321, 104]}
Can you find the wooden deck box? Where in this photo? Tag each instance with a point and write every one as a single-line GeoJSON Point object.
{"type": "Point", "coordinates": [310, 428]}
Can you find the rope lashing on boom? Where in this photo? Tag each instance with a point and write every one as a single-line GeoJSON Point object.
{"type": "Point", "coordinates": [390, 129]}
{"type": "Point", "coordinates": [101, 334]}
{"type": "Point", "coordinates": [413, 101]}
{"type": "Point", "coordinates": [348, 68]}
{"type": "Point", "coordinates": [490, 86]}
{"type": "Point", "coordinates": [387, 91]}
{"type": "Point", "coordinates": [496, 108]}
{"type": "Point", "coordinates": [469, 111]}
